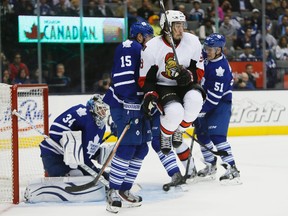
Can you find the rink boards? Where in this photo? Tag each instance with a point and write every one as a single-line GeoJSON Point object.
{"type": "Point", "coordinates": [254, 112]}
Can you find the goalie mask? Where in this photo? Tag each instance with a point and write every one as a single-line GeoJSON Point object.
{"type": "Point", "coordinates": [99, 109]}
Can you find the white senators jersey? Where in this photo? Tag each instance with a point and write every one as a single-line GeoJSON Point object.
{"type": "Point", "coordinates": [158, 52]}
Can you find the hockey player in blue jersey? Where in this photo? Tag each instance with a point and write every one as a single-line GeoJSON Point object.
{"type": "Point", "coordinates": [81, 126]}
{"type": "Point", "coordinates": [213, 121]}
{"type": "Point", "coordinates": [124, 98]}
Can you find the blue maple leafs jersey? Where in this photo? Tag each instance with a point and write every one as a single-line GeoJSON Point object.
{"type": "Point", "coordinates": [76, 118]}
{"type": "Point", "coordinates": [125, 74]}
{"type": "Point", "coordinates": [217, 82]}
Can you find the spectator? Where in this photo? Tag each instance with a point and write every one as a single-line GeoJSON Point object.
{"type": "Point", "coordinates": [247, 25]}
{"type": "Point", "coordinates": [243, 82]}
{"type": "Point", "coordinates": [102, 85]}
{"type": "Point", "coordinates": [229, 53]}
{"type": "Point", "coordinates": [206, 29]}
{"type": "Point", "coordinates": [284, 14]}
{"type": "Point", "coordinates": [270, 11]}
{"type": "Point", "coordinates": [270, 26]}
{"type": "Point", "coordinates": [4, 62]}
{"type": "Point", "coordinates": [75, 7]}
{"type": "Point", "coordinates": [249, 69]}
{"type": "Point", "coordinates": [62, 8]}
{"type": "Point", "coordinates": [281, 50]}
{"type": "Point", "coordinates": [60, 83]}
{"type": "Point", "coordinates": [211, 12]}
{"type": "Point", "coordinates": [281, 28]}
{"type": "Point", "coordinates": [226, 5]}
{"type": "Point", "coordinates": [244, 39]}
{"type": "Point", "coordinates": [247, 53]}
{"type": "Point", "coordinates": [21, 78]}
{"type": "Point", "coordinates": [154, 22]}
{"type": "Point", "coordinates": [119, 11]}
{"type": "Point", "coordinates": [241, 5]}
{"type": "Point", "coordinates": [45, 9]}
{"type": "Point", "coordinates": [103, 10]}
{"type": "Point", "coordinates": [24, 7]}
{"type": "Point", "coordinates": [6, 77]}
{"type": "Point", "coordinates": [281, 9]}
{"type": "Point", "coordinates": [182, 8]}
{"type": "Point", "coordinates": [229, 31]}
{"type": "Point", "coordinates": [271, 41]}
{"type": "Point", "coordinates": [16, 66]}
{"type": "Point", "coordinates": [234, 20]}
{"type": "Point", "coordinates": [6, 8]}
{"type": "Point", "coordinates": [197, 13]}
{"type": "Point", "coordinates": [145, 11]}
{"type": "Point", "coordinates": [256, 20]}
{"type": "Point", "coordinates": [271, 71]}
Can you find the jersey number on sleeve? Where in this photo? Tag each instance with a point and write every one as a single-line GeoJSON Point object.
{"type": "Point", "coordinates": [69, 120]}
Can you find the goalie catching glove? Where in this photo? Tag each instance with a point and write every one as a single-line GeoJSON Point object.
{"type": "Point", "coordinates": [184, 77]}
{"type": "Point", "coordinates": [150, 99]}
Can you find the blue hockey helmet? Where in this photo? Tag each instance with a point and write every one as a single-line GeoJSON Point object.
{"type": "Point", "coordinates": [143, 28]}
{"type": "Point", "coordinates": [215, 40]}
{"type": "Point", "coordinates": [98, 108]}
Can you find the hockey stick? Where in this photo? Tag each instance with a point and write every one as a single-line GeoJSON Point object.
{"type": "Point", "coordinates": [190, 155]}
{"type": "Point", "coordinates": [106, 138]}
{"type": "Point", "coordinates": [219, 153]}
{"type": "Point", "coordinates": [56, 145]}
{"type": "Point", "coordinates": [169, 33]}
{"type": "Point", "coordinates": [76, 188]}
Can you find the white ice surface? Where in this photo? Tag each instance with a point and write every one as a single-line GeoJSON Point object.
{"type": "Point", "coordinates": [262, 161]}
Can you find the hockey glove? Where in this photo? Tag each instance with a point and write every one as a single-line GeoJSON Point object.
{"type": "Point", "coordinates": [113, 129]}
{"type": "Point", "coordinates": [150, 99]}
{"type": "Point", "coordinates": [200, 124]}
{"type": "Point", "coordinates": [185, 77]}
{"type": "Point", "coordinates": [132, 113]}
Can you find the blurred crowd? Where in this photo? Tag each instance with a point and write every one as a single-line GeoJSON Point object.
{"type": "Point", "coordinates": [239, 21]}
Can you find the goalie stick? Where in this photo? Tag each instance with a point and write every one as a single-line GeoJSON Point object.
{"type": "Point", "coordinates": [76, 188]}
{"type": "Point", "coordinates": [219, 153]}
{"type": "Point", "coordinates": [83, 166]}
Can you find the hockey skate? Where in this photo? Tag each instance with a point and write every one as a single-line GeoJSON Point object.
{"type": "Point", "coordinates": [165, 144]}
{"type": "Point", "coordinates": [177, 138]}
{"type": "Point", "coordinates": [231, 176]}
{"type": "Point", "coordinates": [129, 199]}
{"type": "Point", "coordinates": [208, 173]}
{"type": "Point", "coordinates": [113, 201]}
{"type": "Point", "coordinates": [177, 180]}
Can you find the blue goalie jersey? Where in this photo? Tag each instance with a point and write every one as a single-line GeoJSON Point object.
{"type": "Point", "coordinates": [125, 74]}
{"type": "Point", "coordinates": [217, 82]}
{"type": "Point", "coordinates": [77, 118]}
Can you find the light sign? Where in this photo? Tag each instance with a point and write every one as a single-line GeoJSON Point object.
{"type": "Point", "coordinates": [67, 29]}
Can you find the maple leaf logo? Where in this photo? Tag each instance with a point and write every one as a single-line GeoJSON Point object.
{"type": "Point", "coordinates": [33, 33]}
{"type": "Point", "coordinates": [220, 71]}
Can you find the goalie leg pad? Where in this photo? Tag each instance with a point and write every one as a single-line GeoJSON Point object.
{"type": "Point", "coordinates": [52, 189]}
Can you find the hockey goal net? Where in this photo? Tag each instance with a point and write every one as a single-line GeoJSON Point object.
{"type": "Point", "coordinates": [20, 159]}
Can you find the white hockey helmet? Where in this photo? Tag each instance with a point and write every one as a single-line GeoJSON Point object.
{"type": "Point", "coordinates": [98, 108]}
{"type": "Point", "coordinates": [172, 16]}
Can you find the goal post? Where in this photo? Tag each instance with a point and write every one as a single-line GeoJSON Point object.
{"type": "Point", "coordinates": [20, 159]}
